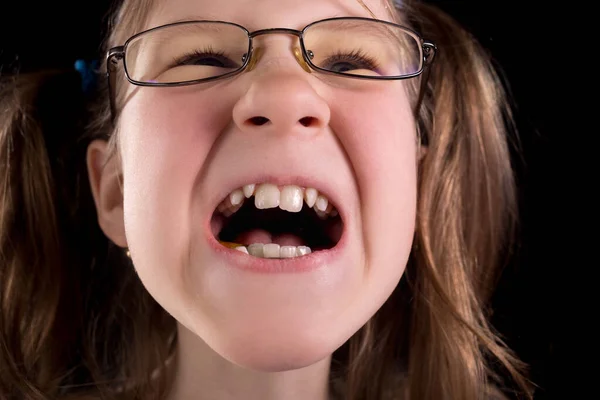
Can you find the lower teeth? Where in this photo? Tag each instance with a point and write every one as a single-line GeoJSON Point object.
{"type": "Point", "coordinates": [271, 250]}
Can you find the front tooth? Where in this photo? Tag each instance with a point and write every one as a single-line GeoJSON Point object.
{"type": "Point", "coordinates": [236, 197]}
{"type": "Point", "coordinates": [287, 251]}
{"type": "Point", "coordinates": [248, 190]}
{"type": "Point", "coordinates": [271, 250]}
{"type": "Point", "coordinates": [322, 203]}
{"type": "Point", "coordinates": [310, 195]}
{"type": "Point", "coordinates": [256, 249]}
{"type": "Point", "coordinates": [266, 196]}
{"type": "Point", "coordinates": [291, 199]}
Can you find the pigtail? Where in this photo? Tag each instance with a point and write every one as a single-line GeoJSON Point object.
{"type": "Point", "coordinates": [466, 217]}
{"type": "Point", "coordinates": [431, 340]}
{"type": "Point", "coordinates": [34, 273]}
{"type": "Point", "coordinates": [56, 296]}
{"type": "Point", "coordinates": [75, 321]}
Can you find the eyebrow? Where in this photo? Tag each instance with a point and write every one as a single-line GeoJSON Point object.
{"type": "Point", "coordinates": [209, 17]}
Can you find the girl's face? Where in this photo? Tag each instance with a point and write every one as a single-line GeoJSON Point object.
{"type": "Point", "coordinates": [186, 149]}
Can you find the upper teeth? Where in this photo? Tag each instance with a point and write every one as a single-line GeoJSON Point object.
{"type": "Point", "coordinates": [289, 198]}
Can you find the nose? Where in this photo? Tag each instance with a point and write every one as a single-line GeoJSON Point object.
{"type": "Point", "coordinates": [282, 102]}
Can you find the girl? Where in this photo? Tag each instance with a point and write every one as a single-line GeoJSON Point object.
{"type": "Point", "coordinates": [270, 200]}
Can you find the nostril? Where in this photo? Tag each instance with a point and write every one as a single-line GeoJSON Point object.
{"type": "Point", "coordinates": [258, 121]}
{"type": "Point", "coordinates": [308, 121]}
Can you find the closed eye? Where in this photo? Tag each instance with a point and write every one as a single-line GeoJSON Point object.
{"type": "Point", "coordinates": [206, 57]}
{"type": "Point", "coordinates": [343, 62]}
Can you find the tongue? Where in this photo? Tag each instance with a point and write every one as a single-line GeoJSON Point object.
{"type": "Point", "coordinates": [262, 236]}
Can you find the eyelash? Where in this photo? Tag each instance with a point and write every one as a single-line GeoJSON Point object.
{"type": "Point", "coordinates": [209, 51]}
{"type": "Point", "coordinates": [357, 56]}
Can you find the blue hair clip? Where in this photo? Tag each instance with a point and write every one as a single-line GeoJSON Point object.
{"type": "Point", "coordinates": [87, 70]}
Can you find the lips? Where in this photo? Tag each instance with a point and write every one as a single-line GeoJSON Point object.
{"type": "Point", "coordinates": [278, 224]}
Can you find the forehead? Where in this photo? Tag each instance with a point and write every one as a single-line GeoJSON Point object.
{"type": "Point", "coordinates": [262, 14]}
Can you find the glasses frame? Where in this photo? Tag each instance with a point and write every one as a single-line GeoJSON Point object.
{"type": "Point", "coordinates": [118, 53]}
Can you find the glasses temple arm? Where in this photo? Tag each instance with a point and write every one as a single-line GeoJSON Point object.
{"type": "Point", "coordinates": [429, 51]}
{"type": "Point", "coordinates": [113, 57]}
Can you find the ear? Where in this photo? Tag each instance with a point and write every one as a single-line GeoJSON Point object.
{"type": "Point", "coordinates": [105, 182]}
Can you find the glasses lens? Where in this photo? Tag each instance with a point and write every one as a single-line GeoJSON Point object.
{"type": "Point", "coordinates": [186, 52]}
{"type": "Point", "coordinates": [363, 47]}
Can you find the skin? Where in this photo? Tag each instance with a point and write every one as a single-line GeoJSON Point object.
{"type": "Point", "coordinates": [243, 334]}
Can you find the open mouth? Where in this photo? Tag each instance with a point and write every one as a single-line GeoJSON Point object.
{"type": "Point", "coordinates": [270, 221]}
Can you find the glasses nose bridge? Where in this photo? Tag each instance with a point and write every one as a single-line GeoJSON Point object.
{"type": "Point", "coordinates": [298, 53]}
{"type": "Point", "coordinates": [271, 31]}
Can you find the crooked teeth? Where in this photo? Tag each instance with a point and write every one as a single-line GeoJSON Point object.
{"type": "Point", "coordinates": [273, 250]}
{"type": "Point", "coordinates": [249, 190]}
{"type": "Point", "coordinates": [289, 198]}
{"type": "Point", "coordinates": [236, 197]}
{"type": "Point", "coordinates": [266, 196]}
{"type": "Point", "coordinates": [310, 195]}
{"type": "Point", "coordinates": [322, 203]}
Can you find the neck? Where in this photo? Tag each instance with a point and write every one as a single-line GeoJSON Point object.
{"type": "Point", "coordinates": [201, 373]}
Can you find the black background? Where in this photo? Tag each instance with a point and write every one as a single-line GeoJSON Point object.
{"type": "Point", "coordinates": [535, 306]}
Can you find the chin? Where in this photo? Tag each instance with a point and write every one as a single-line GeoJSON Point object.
{"type": "Point", "coordinates": [285, 360]}
{"type": "Point", "coordinates": [277, 353]}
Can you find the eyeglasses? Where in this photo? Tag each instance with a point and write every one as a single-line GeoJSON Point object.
{"type": "Point", "coordinates": [192, 52]}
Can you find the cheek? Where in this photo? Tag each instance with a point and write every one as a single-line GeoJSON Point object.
{"type": "Point", "coordinates": [169, 137]}
{"type": "Point", "coordinates": [381, 147]}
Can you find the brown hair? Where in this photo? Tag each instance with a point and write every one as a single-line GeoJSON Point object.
{"type": "Point", "coordinates": [75, 320]}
